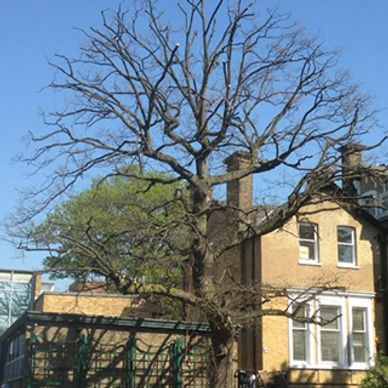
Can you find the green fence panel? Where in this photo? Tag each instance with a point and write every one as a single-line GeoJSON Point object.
{"type": "Point", "coordinates": [177, 362]}
{"type": "Point", "coordinates": [82, 361]}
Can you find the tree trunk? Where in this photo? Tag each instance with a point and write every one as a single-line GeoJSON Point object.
{"type": "Point", "coordinates": [222, 338]}
{"type": "Point", "coordinates": [222, 372]}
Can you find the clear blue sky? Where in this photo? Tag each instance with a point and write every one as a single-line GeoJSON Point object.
{"type": "Point", "coordinates": [33, 31]}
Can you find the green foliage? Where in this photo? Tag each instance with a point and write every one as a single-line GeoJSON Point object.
{"type": "Point", "coordinates": [377, 376]}
{"type": "Point", "coordinates": [119, 225]}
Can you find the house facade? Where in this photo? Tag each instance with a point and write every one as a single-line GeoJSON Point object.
{"type": "Point", "coordinates": [328, 249]}
{"type": "Point", "coordinates": [327, 324]}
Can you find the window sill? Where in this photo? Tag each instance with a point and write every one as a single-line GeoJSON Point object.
{"type": "Point", "coordinates": [356, 367]}
{"type": "Point", "coordinates": [310, 262]}
{"type": "Point", "coordinates": [347, 266]}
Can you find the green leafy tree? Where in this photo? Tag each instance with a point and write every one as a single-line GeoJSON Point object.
{"type": "Point", "coordinates": [112, 228]}
{"type": "Point", "coordinates": [377, 377]}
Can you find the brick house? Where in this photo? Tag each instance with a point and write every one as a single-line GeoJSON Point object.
{"type": "Point", "coordinates": [331, 243]}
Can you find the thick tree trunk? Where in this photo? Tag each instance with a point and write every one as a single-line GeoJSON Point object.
{"type": "Point", "coordinates": [222, 373]}
{"type": "Point", "coordinates": [222, 338]}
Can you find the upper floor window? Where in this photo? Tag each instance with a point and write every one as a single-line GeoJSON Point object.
{"type": "Point", "coordinates": [308, 243]}
{"type": "Point", "coordinates": [346, 246]}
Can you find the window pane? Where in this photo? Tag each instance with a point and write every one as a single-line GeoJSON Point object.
{"type": "Point", "coordinates": [359, 319]}
{"type": "Point", "coordinates": [299, 345]}
{"type": "Point", "coordinates": [360, 334]}
{"type": "Point", "coordinates": [330, 345]}
{"type": "Point", "coordinates": [345, 234]}
{"type": "Point", "coordinates": [329, 317]}
{"type": "Point", "coordinates": [360, 348]}
{"type": "Point", "coordinates": [299, 314]}
{"type": "Point", "coordinates": [307, 250]}
{"type": "Point", "coordinates": [307, 231]}
{"type": "Point", "coordinates": [345, 254]}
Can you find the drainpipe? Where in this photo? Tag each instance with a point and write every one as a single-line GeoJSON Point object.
{"type": "Point", "coordinates": [384, 282]}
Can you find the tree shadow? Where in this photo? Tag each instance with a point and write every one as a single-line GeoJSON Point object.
{"type": "Point", "coordinates": [83, 355]}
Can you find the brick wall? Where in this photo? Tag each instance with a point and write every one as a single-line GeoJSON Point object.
{"type": "Point", "coordinates": [88, 304]}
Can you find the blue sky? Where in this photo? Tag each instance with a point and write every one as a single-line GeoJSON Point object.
{"type": "Point", "coordinates": [31, 32]}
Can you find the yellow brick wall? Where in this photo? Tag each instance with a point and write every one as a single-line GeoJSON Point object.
{"type": "Point", "coordinates": [280, 253]}
{"type": "Point", "coordinates": [87, 304]}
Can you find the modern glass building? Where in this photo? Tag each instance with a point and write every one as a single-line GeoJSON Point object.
{"type": "Point", "coordinates": [16, 295]}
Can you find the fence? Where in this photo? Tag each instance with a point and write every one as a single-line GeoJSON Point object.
{"type": "Point", "coordinates": [87, 364]}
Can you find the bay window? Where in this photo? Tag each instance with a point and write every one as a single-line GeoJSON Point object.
{"type": "Point", "coordinates": [341, 337]}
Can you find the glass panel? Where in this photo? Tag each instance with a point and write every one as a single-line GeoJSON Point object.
{"type": "Point", "coordinates": [330, 345]}
{"type": "Point", "coordinates": [299, 342]}
{"type": "Point", "coordinates": [15, 299]}
{"type": "Point", "coordinates": [300, 314]}
{"type": "Point", "coordinates": [307, 250]}
{"type": "Point", "coordinates": [359, 319]}
{"type": "Point", "coordinates": [345, 234]}
{"type": "Point", "coordinates": [329, 317]}
{"type": "Point", "coordinates": [307, 231]}
{"type": "Point", "coordinates": [345, 254]}
{"type": "Point", "coordinates": [360, 334]}
{"type": "Point", "coordinates": [360, 347]}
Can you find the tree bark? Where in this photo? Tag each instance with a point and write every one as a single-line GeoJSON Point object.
{"type": "Point", "coordinates": [222, 359]}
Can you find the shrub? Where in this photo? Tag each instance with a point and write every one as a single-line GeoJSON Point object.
{"type": "Point", "coordinates": [377, 376]}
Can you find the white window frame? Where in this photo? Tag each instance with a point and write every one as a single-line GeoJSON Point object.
{"type": "Point", "coordinates": [314, 261]}
{"type": "Point", "coordinates": [335, 301]}
{"type": "Point", "coordinates": [309, 339]}
{"type": "Point", "coordinates": [346, 302]}
{"type": "Point", "coordinates": [353, 264]}
{"type": "Point", "coordinates": [367, 304]}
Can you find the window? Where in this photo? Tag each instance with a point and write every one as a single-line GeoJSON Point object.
{"type": "Point", "coordinates": [360, 346]}
{"type": "Point", "coordinates": [341, 338]}
{"type": "Point", "coordinates": [308, 243]}
{"type": "Point", "coordinates": [346, 246]}
{"type": "Point", "coordinates": [300, 333]}
{"type": "Point", "coordinates": [330, 334]}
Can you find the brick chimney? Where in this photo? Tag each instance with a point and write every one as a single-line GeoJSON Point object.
{"type": "Point", "coordinates": [240, 191]}
{"type": "Point", "coordinates": [37, 284]}
{"type": "Point", "coordinates": [351, 155]}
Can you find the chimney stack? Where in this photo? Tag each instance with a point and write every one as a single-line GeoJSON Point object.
{"type": "Point", "coordinates": [239, 191]}
{"type": "Point", "coordinates": [351, 164]}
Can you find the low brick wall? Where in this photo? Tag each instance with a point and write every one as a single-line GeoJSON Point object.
{"type": "Point", "coordinates": [306, 378]}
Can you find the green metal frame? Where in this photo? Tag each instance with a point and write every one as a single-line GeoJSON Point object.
{"type": "Point", "coordinates": [84, 364]}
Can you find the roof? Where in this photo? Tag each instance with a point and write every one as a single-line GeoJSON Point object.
{"type": "Point", "coordinates": [18, 271]}
{"type": "Point", "coordinates": [134, 323]}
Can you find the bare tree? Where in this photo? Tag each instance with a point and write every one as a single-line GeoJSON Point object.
{"type": "Point", "coordinates": [180, 97]}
